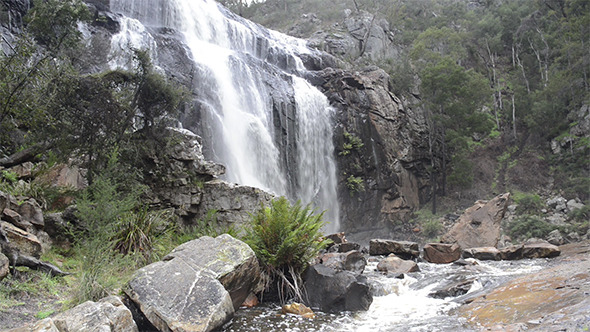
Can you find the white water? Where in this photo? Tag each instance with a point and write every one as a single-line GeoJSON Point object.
{"type": "Point", "coordinates": [403, 304]}
{"type": "Point", "coordinates": [231, 55]}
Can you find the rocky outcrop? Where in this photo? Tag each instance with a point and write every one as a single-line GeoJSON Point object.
{"type": "Point", "coordinates": [479, 225]}
{"type": "Point", "coordinates": [22, 241]}
{"type": "Point", "coordinates": [382, 149]}
{"type": "Point", "coordinates": [540, 249]}
{"type": "Point", "coordinates": [453, 288]}
{"type": "Point", "coordinates": [403, 249]}
{"type": "Point", "coordinates": [108, 315]}
{"type": "Point", "coordinates": [198, 286]}
{"type": "Point", "coordinates": [395, 265]}
{"type": "Point", "coordinates": [334, 291]}
{"type": "Point", "coordinates": [441, 253]}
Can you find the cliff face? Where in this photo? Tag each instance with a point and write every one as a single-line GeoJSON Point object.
{"type": "Point", "coordinates": [382, 153]}
{"type": "Point", "coordinates": [380, 143]}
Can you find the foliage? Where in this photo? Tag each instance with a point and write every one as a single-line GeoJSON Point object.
{"type": "Point", "coordinates": [285, 238]}
{"type": "Point", "coordinates": [429, 223]}
{"type": "Point", "coordinates": [352, 142]}
{"type": "Point", "coordinates": [528, 226]}
{"type": "Point", "coordinates": [527, 203]}
{"type": "Point", "coordinates": [355, 184]}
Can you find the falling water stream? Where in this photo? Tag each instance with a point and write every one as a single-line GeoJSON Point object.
{"type": "Point", "coordinates": [237, 65]}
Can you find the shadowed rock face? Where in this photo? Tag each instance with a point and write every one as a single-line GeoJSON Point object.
{"type": "Point", "coordinates": [390, 162]}
{"type": "Point", "coordinates": [479, 225]}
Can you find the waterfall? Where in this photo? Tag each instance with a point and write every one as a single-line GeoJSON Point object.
{"type": "Point", "coordinates": [266, 124]}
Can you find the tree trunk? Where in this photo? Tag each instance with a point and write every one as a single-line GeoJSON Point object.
{"type": "Point", "coordinates": [513, 117]}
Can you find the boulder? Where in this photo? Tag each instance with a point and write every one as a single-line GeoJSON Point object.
{"type": "Point", "coordinates": [4, 266]}
{"type": "Point", "coordinates": [16, 219]}
{"type": "Point", "coordinates": [25, 242]}
{"type": "Point", "coordinates": [540, 250]}
{"type": "Point", "coordinates": [106, 315]}
{"type": "Point", "coordinates": [57, 227]}
{"type": "Point", "coordinates": [352, 261]}
{"type": "Point", "coordinates": [24, 170]}
{"type": "Point", "coordinates": [335, 291]}
{"type": "Point", "coordinates": [198, 286]}
{"type": "Point", "coordinates": [572, 205]}
{"type": "Point", "coordinates": [345, 247]}
{"type": "Point", "coordinates": [479, 225]}
{"type": "Point", "coordinates": [64, 176]}
{"type": "Point", "coordinates": [403, 249]}
{"type": "Point", "coordinates": [442, 253]}
{"type": "Point", "coordinates": [395, 265]}
{"type": "Point", "coordinates": [31, 211]}
{"type": "Point", "coordinates": [337, 238]}
{"type": "Point", "coordinates": [298, 309]}
{"type": "Point", "coordinates": [555, 237]}
{"type": "Point", "coordinates": [452, 289]}
{"type": "Point", "coordinates": [512, 252]}
{"type": "Point", "coordinates": [483, 253]}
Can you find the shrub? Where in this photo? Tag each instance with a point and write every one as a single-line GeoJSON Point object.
{"type": "Point", "coordinates": [527, 227]}
{"type": "Point", "coordinates": [527, 203]}
{"type": "Point", "coordinates": [355, 184]}
{"type": "Point", "coordinates": [431, 228]}
{"type": "Point", "coordinates": [285, 238]}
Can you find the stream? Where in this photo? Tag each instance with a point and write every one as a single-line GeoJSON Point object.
{"type": "Point", "coordinates": [398, 304]}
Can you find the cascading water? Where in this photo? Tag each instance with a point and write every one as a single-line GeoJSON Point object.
{"type": "Point", "coordinates": [245, 75]}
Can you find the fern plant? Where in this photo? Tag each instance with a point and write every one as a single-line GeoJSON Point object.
{"type": "Point", "coordinates": [285, 238]}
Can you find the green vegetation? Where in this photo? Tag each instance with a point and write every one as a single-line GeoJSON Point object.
{"type": "Point", "coordinates": [353, 142]}
{"type": "Point", "coordinates": [285, 238]}
{"type": "Point", "coordinates": [527, 226]}
{"type": "Point", "coordinates": [355, 184]}
{"type": "Point", "coordinates": [429, 223]}
{"type": "Point", "coordinates": [527, 203]}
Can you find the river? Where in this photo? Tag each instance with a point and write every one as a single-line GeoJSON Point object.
{"type": "Point", "coordinates": [402, 304]}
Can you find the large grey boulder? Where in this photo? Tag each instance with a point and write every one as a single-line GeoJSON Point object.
{"type": "Point", "coordinates": [403, 249]}
{"type": "Point", "coordinates": [334, 291]}
{"type": "Point", "coordinates": [479, 225]}
{"type": "Point", "coordinates": [107, 315]}
{"type": "Point", "coordinates": [198, 286]}
{"type": "Point", "coordinates": [352, 261]}
{"type": "Point", "coordinates": [395, 265]}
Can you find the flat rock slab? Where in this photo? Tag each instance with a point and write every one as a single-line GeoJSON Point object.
{"type": "Point", "coordinates": [26, 243]}
{"type": "Point", "coordinates": [197, 286]}
{"type": "Point", "coordinates": [553, 299]}
{"type": "Point", "coordinates": [483, 253]}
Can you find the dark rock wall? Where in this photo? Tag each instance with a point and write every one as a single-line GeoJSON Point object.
{"type": "Point", "coordinates": [391, 161]}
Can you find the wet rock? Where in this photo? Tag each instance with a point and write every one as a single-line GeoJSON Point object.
{"type": "Point", "coordinates": [335, 291]}
{"type": "Point", "coordinates": [337, 238]}
{"type": "Point", "coordinates": [352, 261]}
{"type": "Point", "coordinates": [298, 309]}
{"type": "Point", "coordinates": [479, 225]}
{"type": "Point", "coordinates": [108, 315]}
{"type": "Point", "coordinates": [442, 253]}
{"type": "Point", "coordinates": [540, 250]}
{"type": "Point", "coordinates": [250, 301]}
{"type": "Point", "coordinates": [4, 266]}
{"type": "Point", "coordinates": [512, 252]}
{"type": "Point", "coordinates": [395, 265]}
{"type": "Point", "coordinates": [23, 241]}
{"type": "Point", "coordinates": [403, 249]}
{"type": "Point", "coordinates": [452, 289]}
{"type": "Point", "coordinates": [345, 247]}
{"type": "Point", "coordinates": [205, 281]}
{"type": "Point", "coordinates": [555, 238]}
{"type": "Point", "coordinates": [483, 253]}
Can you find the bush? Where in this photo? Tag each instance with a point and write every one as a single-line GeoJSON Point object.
{"type": "Point", "coordinates": [527, 227]}
{"type": "Point", "coordinates": [285, 238]}
{"type": "Point", "coordinates": [527, 203]}
{"type": "Point", "coordinates": [431, 228]}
